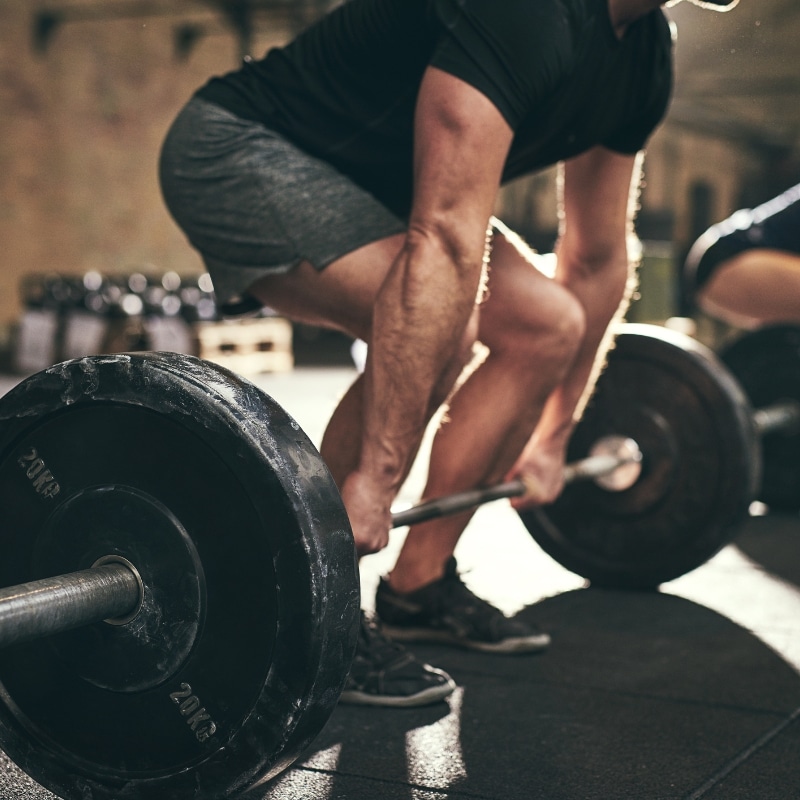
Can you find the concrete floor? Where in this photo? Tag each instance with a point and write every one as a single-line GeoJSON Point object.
{"type": "Point", "coordinates": [690, 692]}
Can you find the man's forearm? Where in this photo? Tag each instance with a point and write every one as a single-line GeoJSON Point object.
{"type": "Point", "coordinates": [420, 319]}
{"type": "Point", "coordinates": [605, 296]}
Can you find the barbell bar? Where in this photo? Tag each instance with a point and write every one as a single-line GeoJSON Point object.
{"type": "Point", "coordinates": [608, 456]}
{"type": "Point", "coordinates": [778, 418]}
{"type": "Point", "coordinates": [112, 590]}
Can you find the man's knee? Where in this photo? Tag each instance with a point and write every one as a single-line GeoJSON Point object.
{"type": "Point", "coordinates": [566, 326]}
{"type": "Point", "coordinates": [547, 326]}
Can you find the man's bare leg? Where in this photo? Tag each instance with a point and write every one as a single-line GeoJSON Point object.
{"type": "Point", "coordinates": [532, 327]}
{"type": "Point", "coordinates": [342, 297]}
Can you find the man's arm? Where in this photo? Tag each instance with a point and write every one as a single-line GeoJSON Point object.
{"type": "Point", "coordinates": [596, 260]}
{"type": "Point", "coordinates": [425, 304]}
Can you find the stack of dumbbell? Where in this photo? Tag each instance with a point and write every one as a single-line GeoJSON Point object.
{"type": "Point", "coordinates": [67, 316]}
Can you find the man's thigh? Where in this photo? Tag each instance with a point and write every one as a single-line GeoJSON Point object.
{"type": "Point", "coordinates": [340, 296]}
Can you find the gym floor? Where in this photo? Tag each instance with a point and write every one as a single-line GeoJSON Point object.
{"type": "Point", "coordinates": [689, 692]}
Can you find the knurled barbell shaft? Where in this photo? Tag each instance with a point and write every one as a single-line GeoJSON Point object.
{"type": "Point", "coordinates": [585, 469]}
{"type": "Point", "coordinates": [453, 503]}
{"type": "Point", "coordinates": [55, 605]}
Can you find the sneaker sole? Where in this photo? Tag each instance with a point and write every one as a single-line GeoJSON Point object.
{"type": "Point", "coordinates": [522, 644]}
{"type": "Point", "coordinates": [427, 697]}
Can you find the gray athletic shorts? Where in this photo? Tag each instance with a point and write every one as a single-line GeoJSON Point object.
{"type": "Point", "coordinates": [254, 204]}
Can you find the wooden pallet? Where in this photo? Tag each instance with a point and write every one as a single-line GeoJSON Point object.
{"type": "Point", "coordinates": [247, 347]}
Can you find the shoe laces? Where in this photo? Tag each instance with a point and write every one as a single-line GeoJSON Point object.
{"type": "Point", "coordinates": [375, 646]}
{"type": "Point", "coordinates": [456, 591]}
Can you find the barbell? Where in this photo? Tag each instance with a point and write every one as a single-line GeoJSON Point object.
{"type": "Point", "coordinates": [204, 612]}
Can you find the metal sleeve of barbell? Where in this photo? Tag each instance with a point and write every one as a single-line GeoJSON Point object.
{"type": "Point", "coordinates": [54, 605]}
{"type": "Point", "coordinates": [587, 468]}
{"type": "Point", "coordinates": [783, 417]}
{"type": "Point", "coordinates": [593, 467]}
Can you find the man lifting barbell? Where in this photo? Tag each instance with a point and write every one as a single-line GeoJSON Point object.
{"type": "Point", "coordinates": [347, 180]}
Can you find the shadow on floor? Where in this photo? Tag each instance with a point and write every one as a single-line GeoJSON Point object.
{"type": "Point", "coordinates": [641, 696]}
{"type": "Point", "coordinates": [773, 542]}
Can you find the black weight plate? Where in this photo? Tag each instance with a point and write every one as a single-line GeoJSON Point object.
{"type": "Point", "coordinates": [767, 365]}
{"type": "Point", "coordinates": [700, 466]}
{"type": "Point", "coordinates": [251, 587]}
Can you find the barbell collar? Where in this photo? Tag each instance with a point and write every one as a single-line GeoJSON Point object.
{"type": "Point", "coordinates": [781, 417]}
{"type": "Point", "coordinates": [41, 608]}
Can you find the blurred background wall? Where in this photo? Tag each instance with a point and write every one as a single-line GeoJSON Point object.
{"type": "Point", "coordinates": [89, 87]}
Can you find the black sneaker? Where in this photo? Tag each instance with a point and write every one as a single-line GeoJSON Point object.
{"type": "Point", "coordinates": [386, 674]}
{"type": "Point", "coordinates": [447, 611]}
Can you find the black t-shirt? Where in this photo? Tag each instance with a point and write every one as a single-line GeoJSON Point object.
{"type": "Point", "coordinates": [345, 89]}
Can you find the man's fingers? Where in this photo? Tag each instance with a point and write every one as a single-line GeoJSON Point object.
{"type": "Point", "coordinates": [534, 489]}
